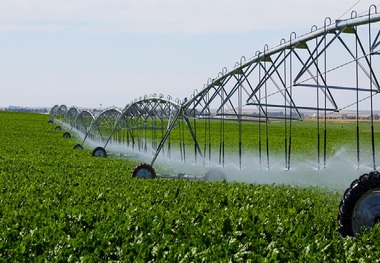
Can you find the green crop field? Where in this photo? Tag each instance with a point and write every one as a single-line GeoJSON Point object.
{"type": "Point", "coordinates": [62, 205]}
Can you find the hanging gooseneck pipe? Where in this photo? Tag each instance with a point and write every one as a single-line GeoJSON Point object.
{"type": "Point", "coordinates": [325, 97]}
{"type": "Point", "coordinates": [371, 86]}
{"type": "Point", "coordinates": [222, 123]}
{"type": "Point", "coordinates": [260, 112]}
{"type": "Point", "coordinates": [290, 109]}
{"type": "Point", "coordinates": [285, 113]}
{"type": "Point", "coordinates": [313, 28]}
{"type": "Point", "coordinates": [240, 105]}
{"type": "Point", "coordinates": [353, 13]}
{"type": "Point", "coordinates": [266, 111]}
{"type": "Point", "coordinates": [194, 125]}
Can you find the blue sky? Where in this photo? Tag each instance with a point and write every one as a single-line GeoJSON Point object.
{"type": "Point", "coordinates": [91, 52]}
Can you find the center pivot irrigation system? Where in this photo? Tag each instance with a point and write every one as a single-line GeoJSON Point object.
{"type": "Point", "coordinates": [232, 119]}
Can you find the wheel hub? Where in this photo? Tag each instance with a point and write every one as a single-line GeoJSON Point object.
{"type": "Point", "coordinates": [143, 173]}
{"type": "Point", "coordinates": [367, 211]}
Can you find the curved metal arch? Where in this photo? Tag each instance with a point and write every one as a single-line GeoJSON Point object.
{"type": "Point", "coordinates": [71, 116]}
{"type": "Point", "coordinates": [148, 112]}
{"type": "Point", "coordinates": [53, 110]}
{"type": "Point", "coordinates": [142, 120]}
{"type": "Point", "coordinates": [103, 125]}
{"type": "Point", "coordinates": [60, 113]}
{"type": "Point", "coordinates": [62, 110]}
{"type": "Point", "coordinates": [106, 117]}
{"type": "Point", "coordinates": [84, 120]}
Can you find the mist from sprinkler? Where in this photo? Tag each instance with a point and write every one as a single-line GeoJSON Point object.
{"type": "Point", "coordinates": [340, 170]}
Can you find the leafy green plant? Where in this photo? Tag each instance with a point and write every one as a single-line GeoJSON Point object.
{"type": "Point", "coordinates": [58, 204]}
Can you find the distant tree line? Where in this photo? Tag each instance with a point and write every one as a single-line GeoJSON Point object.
{"type": "Point", "coordinates": [25, 109]}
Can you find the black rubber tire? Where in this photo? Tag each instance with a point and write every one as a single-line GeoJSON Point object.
{"type": "Point", "coordinates": [67, 135]}
{"type": "Point", "coordinates": [214, 174]}
{"type": "Point", "coordinates": [360, 206]}
{"type": "Point", "coordinates": [78, 147]}
{"type": "Point", "coordinates": [99, 152]}
{"type": "Point", "coordinates": [50, 121]}
{"type": "Point", "coordinates": [58, 128]}
{"type": "Point", "coordinates": [144, 170]}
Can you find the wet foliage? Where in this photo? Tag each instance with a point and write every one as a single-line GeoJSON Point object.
{"type": "Point", "coordinates": [62, 205]}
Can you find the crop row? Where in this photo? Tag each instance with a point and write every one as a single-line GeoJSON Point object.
{"type": "Point", "coordinates": [58, 204]}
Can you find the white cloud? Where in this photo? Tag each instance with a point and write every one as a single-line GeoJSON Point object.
{"type": "Point", "coordinates": [168, 16]}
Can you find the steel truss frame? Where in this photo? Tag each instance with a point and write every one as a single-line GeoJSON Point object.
{"type": "Point", "coordinates": [327, 70]}
{"type": "Point", "coordinates": [58, 112]}
{"type": "Point", "coordinates": [101, 126]}
{"type": "Point", "coordinates": [281, 78]}
{"type": "Point", "coordinates": [143, 122]}
{"type": "Point", "coordinates": [84, 121]}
